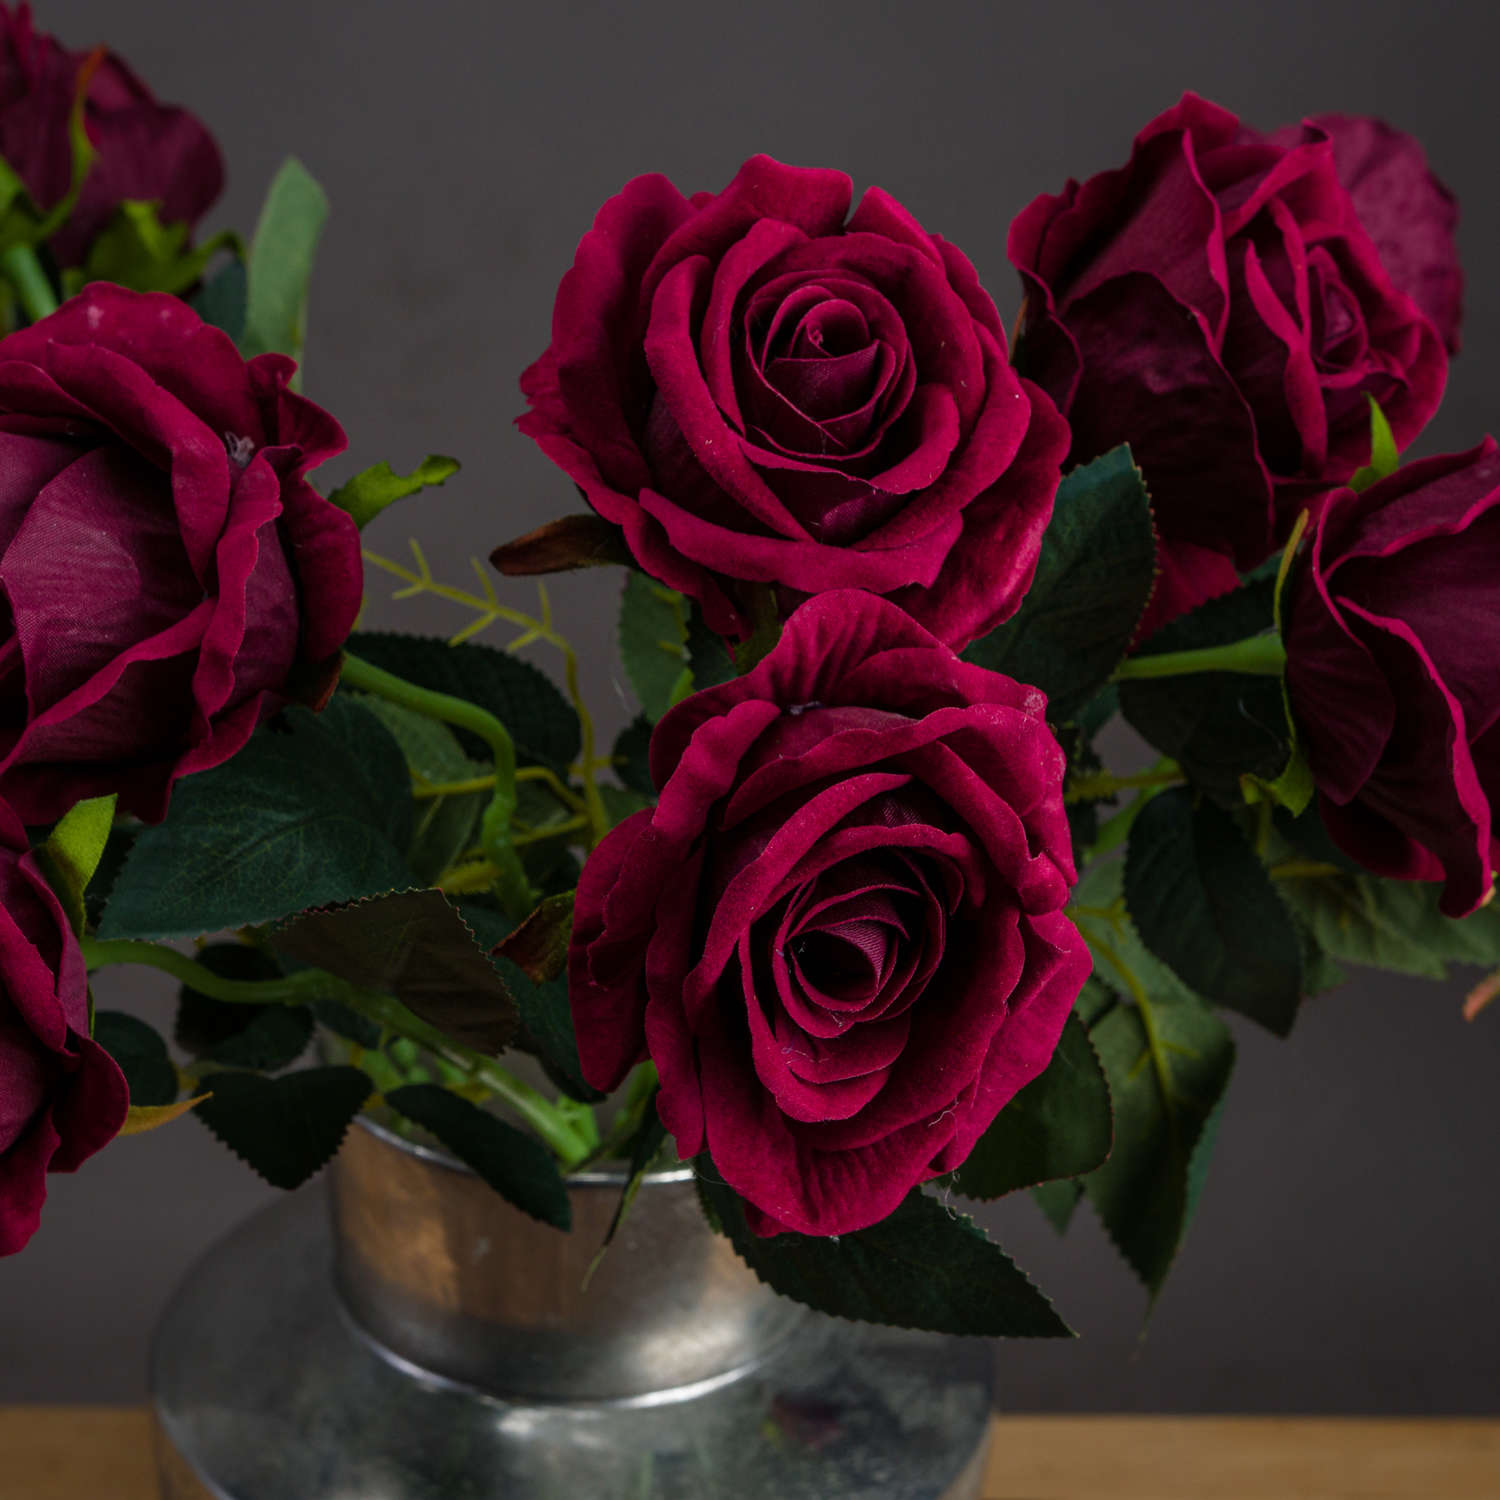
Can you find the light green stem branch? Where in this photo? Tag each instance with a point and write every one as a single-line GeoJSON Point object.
{"type": "Point", "coordinates": [294, 989]}
{"type": "Point", "coordinates": [1260, 656]}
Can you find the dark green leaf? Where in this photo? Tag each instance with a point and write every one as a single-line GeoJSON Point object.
{"type": "Point", "coordinates": [1092, 585]}
{"type": "Point", "coordinates": [1059, 1125]}
{"type": "Point", "coordinates": [121, 839]}
{"type": "Point", "coordinates": [518, 1167]}
{"type": "Point", "coordinates": [347, 1023]}
{"type": "Point", "coordinates": [644, 1150]}
{"type": "Point", "coordinates": [444, 826]}
{"type": "Point", "coordinates": [284, 1128]}
{"type": "Point", "coordinates": [922, 1266]}
{"type": "Point", "coordinates": [281, 262]}
{"type": "Point", "coordinates": [1203, 904]}
{"type": "Point", "coordinates": [1147, 1190]}
{"type": "Point", "coordinates": [1058, 1200]}
{"type": "Point", "coordinates": [546, 1015]}
{"type": "Point", "coordinates": [1219, 726]}
{"type": "Point", "coordinates": [315, 809]}
{"type": "Point", "coordinates": [653, 643]}
{"type": "Point", "coordinates": [221, 300]}
{"type": "Point", "coordinates": [371, 490]}
{"type": "Point", "coordinates": [1391, 924]}
{"type": "Point", "coordinates": [141, 1054]}
{"type": "Point", "coordinates": [707, 654]}
{"type": "Point", "coordinates": [632, 755]}
{"type": "Point", "coordinates": [265, 1038]}
{"type": "Point", "coordinates": [540, 720]}
{"type": "Point", "coordinates": [416, 946]}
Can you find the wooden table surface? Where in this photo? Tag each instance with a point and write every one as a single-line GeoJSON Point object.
{"type": "Point", "coordinates": [102, 1453]}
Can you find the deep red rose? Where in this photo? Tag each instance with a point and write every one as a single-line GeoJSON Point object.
{"type": "Point", "coordinates": [840, 934]}
{"type": "Point", "coordinates": [758, 388]}
{"type": "Point", "coordinates": [61, 1095]}
{"type": "Point", "coordinates": [1393, 670]}
{"type": "Point", "coordinates": [146, 150]}
{"type": "Point", "coordinates": [1218, 304]}
{"type": "Point", "coordinates": [169, 577]}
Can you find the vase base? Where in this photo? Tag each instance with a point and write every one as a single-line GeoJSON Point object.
{"type": "Point", "coordinates": [264, 1390]}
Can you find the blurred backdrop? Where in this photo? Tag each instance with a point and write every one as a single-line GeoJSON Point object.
{"type": "Point", "coordinates": [1344, 1255]}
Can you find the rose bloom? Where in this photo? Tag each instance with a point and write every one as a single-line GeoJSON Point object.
{"type": "Point", "coordinates": [1219, 304]}
{"type": "Point", "coordinates": [145, 150]}
{"type": "Point", "coordinates": [170, 578]}
{"type": "Point", "coordinates": [61, 1095]}
{"type": "Point", "coordinates": [1393, 671]}
{"type": "Point", "coordinates": [757, 388]}
{"type": "Point", "coordinates": [840, 934]}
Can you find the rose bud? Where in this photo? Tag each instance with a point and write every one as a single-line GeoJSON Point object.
{"type": "Point", "coordinates": [170, 576]}
{"type": "Point", "coordinates": [1218, 304]}
{"type": "Point", "coordinates": [1393, 671]}
{"type": "Point", "coordinates": [145, 150]}
{"type": "Point", "coordinates": [840, 935]}
{"type": "Point", "coordinates": [62, 1096]}
{"type": "Point", "coordinates": [758, 389]}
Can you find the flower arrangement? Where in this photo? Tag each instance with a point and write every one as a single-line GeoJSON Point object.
{"type": "Point", "coordinates": [853, 913]}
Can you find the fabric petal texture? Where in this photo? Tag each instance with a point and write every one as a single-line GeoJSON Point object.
{"type": "Point", "coordinates": [1229, 303]}
{"type": "Point", "coordinates": [169, 576]}
{"type": "Point", "coordinates": [840, 935]}
{"type": "Point", "coordinates": [1393, 671]}
{"type": "Point", "coordinates": [759, 388]}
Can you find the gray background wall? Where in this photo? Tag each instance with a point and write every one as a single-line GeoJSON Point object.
{"type": "Point", "coordinates": [1344, 1255]}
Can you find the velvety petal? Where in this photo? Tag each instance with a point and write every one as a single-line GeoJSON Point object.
{"type": "Point", "coordinates": [1408, 213]}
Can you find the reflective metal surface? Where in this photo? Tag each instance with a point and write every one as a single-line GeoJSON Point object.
{"type": "Point", "coordinates": [444, 1272]}
{"type": "Point", "coordinates": [266, 1388]}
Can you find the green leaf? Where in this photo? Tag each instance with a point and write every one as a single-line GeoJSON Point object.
{"type": "Point", "coordinates": [281, 262]}
{"type": "Point", "coordinates": [1218, 726]}
{"type": "Point", "coordinates": [1092, 585]}
{"type": "Point", "coordinates": [349, 1024]}
{"type": "Point", "coordinates": [1058, 1201]}
{"type": "Point", "coordinates": [1203, 904]}
{"type": "Point", "coordinates": [644, 1150]}
{"type": "Point", "coordinates": [285, 1128]}
{"type": "Point", "coordinates": [540, 720]}
{"type": "Point", "coordinates": [707, 654]}
{"type": "Point", "coordinates": [517, 1166]}
{"type": "Point", "coordinates": [632, 755]}
{"type": "Point", "coordinates": [539, 946]}
{"type": "Point", "coordinates": [315, 809]}
{"type": "Point", "coordinates": [222, 298]}
{"type": "Point", "coordinates": [141, 1054]}
{"type": "Point", "coordinates": [369, 492]}
{"type": "Point", "coordinates": [416, 946]}
{"type": "Point", "coordinates": [73, 852]}
{"type": "Point", "coordinates": [1165, 1095]}
{"type": "Point", "coordinates": [546, 1015]}
{"type": "Point", "coordinates": [1391, 924]}
{"type": "Point", "coordinates": [444, 826]}
{"type": "Point", "coordinates": [1385, 459]}
{"type": "Point", "coordinates": [135, 249]}
{"type": "Point", "coordinates": [922, 1266]}
{"type": "Point", "coordinates": [265, 1038]}
{"type": "Point", "coordinates": [1059, 1125]}
{"type": "Point", "coordinates": [653, 643]}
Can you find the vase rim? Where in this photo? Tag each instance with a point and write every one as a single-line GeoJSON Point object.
{"type": "Point", "coordinates": [590, 1177]}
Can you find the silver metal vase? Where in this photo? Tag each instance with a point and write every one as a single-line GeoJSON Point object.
{"type": "Point", "coordinates": [425, 1341]}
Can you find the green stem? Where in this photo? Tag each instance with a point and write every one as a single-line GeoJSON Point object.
{"type": "Point", "coordinates": [294, 989]}
{"type": "Point", "coordinates": [510, 881]}
{"type": "Point", "coordinates": [1093, 785]}
{"type": "Point", "coordinates": [570, 1144]}
{"type": "Point", "coordinates": [24, 272]}
{"type": "Point", "coordinates": [1260, 655]}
